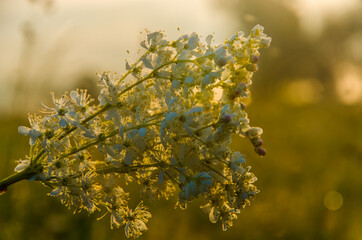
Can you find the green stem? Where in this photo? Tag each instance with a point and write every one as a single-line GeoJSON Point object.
{"type": "Point", "coordinates": [123, 169]}
{"type": "Point", "coordinates": [98, 140]}
{"type": "Point", "coordinates": [69, 131]}
{"type": "Point", "coordinates": [27, 173]}
{"type": "Point", "coordinates": [151, 74]}
{"type": "Point", "coordinates": [132, 67]}
{"type": "Point", "coordinates": [214, 170]}
{"type": "Point", "coordinates": [107, 106]}
{"type": "Point", "coordinates": [127, 169]}
{"type": "Point", "coordinates": [101, 110]}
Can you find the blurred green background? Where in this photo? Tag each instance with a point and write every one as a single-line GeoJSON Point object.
{"type": "Point", "coordinates": [307, 96]}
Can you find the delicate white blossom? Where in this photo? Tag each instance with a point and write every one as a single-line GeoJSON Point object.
{"type": "Point", "coordinates": [165, 124]}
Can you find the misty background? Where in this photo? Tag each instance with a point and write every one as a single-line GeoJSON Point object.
{"type": "Point", "coordinates": [307, 96]}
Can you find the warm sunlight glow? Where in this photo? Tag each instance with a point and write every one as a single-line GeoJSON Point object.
{"type": "Point", "coordinates": [349, 85]}
{"type": "Point", "coordinates": [73, 37]}
{"type": "Point", "coordinates": [302, 91]}
{"type": "Point", "coordinates": [314, 13]}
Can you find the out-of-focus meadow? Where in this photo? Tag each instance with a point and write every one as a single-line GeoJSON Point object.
{"type": "Point", "coordinates": [307, 96]}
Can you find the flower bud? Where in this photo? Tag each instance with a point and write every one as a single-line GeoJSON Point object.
{"type": "Point", "coordinates": [265, 42]}
{"type": "Point", "coordinates": [254, 58]}
{"type": "Point", "coordinates": [254, 132]}
{"type": "Point", "coordinates": [240, 90]}
{"type": "Point", "coordinates": [220, 61]}
{"type": "Point", "coordinates": [237, 91]}
{"type": "Point", "coordinates": [257, 142]}
{"type": "Point", "coordinates": [242, 106]}
{"type": "Point", "coordinates": [257, 31]}
{"type": "Point", "coordinates": [252, 67]}
{"type": "Point", "coordinates": [260, 151]}
{"type": "Point", "coordinates": [231, 96]}
{"type": "Point", "coordinates": [226, 118]}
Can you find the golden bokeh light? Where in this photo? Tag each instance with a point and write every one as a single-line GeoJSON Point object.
{"type": "Point", "coordinates": [333, 200]}
{"type": "Point", "coordinates": [302, 91]}
{"type": "Point", "coordinates": [349, 85]}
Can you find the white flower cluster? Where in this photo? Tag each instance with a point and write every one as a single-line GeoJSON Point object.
{"type": "Point", "coordinates": [165, 124]}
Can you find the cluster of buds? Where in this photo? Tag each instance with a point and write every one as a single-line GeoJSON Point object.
{"type": "Point", "coordinates": [254, 135]}
{"type": "Point", "coordinates": [165, 124]}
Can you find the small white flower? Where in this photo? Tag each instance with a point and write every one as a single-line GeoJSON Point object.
{"type": "Point", "coordinates": [214, 214]}
{"type": "Point", "coordinates": [81, 99]}
{"type": "Point", "coordinates": [56, 191]}
{"type": "Point", "coordinates": [116, 219]}
{"type": "Point", "coordinates": [257, 30]}
{"type": "Point", "coordinates": [209, 39]}
{"type": "Point", "coordinates": [147, 63]}
{"type": "Point", "coordinates": [33, 133]}
{"type": "Point", "coordinates": [265, 42]}
{"type": "Point", "coordinates": [22, 165]}
{"type": "Point", "coordinates": [189, 79]}
{"type": "Point", "coordinates": [142, 131]}
{"type": "Point", "coordinates": [199, 184]}
{"type": "Point", "coordinates": [193, 41]}
{"type": "Point", "coordinates": [254, 132]}
{"type": "Point", "coordinates": [209, 78]}
{"type": "Point", "coordinates": [165, 124]}
{"type": "Point", "coordinates": [135, 221]}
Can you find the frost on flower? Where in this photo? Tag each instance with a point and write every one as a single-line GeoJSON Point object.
{"type": "Point", "coordinates": [165, 124]}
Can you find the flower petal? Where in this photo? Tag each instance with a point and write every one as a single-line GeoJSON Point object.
{"type": "Point", "coordinates": [23, 130]}
{"type": "Point", "coordinates": [142, 131]}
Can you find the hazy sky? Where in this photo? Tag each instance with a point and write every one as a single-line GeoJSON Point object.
{"type": "Point", "coordinates": [73, 37]}
{"type": "Point", "coordinates": [90, 35]}
{"type": "Point", "coordinates": [89, 30]}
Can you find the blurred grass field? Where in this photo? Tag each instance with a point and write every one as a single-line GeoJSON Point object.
{"type": "Point", "coordinates": [311, 150]}
{"type": "Point", "coordinates": [307, 97]}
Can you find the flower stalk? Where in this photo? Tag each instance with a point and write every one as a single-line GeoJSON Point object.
{"type": "Point", "coordinates": [26, 174]}
{"type": "Point", "coordinates": [165, 124]}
